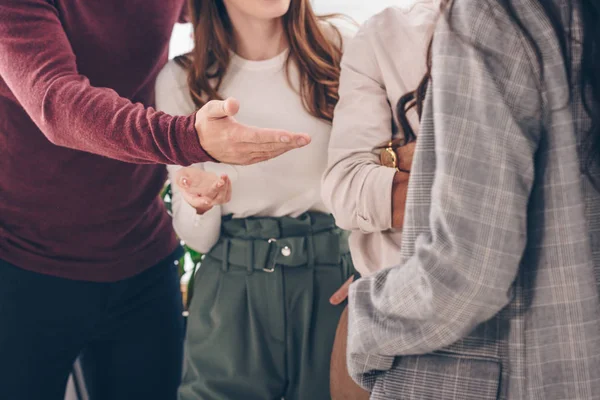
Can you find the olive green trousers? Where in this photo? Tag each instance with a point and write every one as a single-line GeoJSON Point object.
{"type": "Point", "coordinates": [260, 323]}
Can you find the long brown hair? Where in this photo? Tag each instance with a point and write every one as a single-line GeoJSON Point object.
{"type": "Point", "coordinates": [316, 56]}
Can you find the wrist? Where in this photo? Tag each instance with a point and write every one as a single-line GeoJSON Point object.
{"type": "Point", "coordinates": [201, 210]}
{"type": "Point", "coordinates": [400, 178]}
{"type": "Point", "coordinates": [199, 129]}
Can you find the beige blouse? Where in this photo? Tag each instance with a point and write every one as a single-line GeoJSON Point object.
{"type": "Point", "coordinates": [384, 61]}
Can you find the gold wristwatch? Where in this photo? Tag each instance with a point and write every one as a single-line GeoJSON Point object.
{"type": "Point", "coordinates": [388, 156]}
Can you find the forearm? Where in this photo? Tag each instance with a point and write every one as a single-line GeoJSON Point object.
{"type": "Point", "coordinates": [78, 116]}
{"type": "Point", "coordinates": [359, 195]}
{"type": "Point", "coordinates": [39, 67]}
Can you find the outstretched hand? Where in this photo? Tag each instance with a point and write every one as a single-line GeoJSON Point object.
{"type": "Point", "coordinates": [228, 141]}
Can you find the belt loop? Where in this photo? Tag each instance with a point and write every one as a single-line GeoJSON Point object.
{"type": "Point", "coordinates": [310, 243]}
{"type": "Point", "coordinates": [271, 242]}
{"type": "Point", "coordinates": [225, 262]}
{"type": "Point", "coordinates": [250, 257]}
{"type": "Point", "coordinates": [310, 250]}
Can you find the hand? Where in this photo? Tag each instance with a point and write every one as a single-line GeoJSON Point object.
{"type": "Point", "coordinates": [342, 293]}
{"type": "Point", "coordinates": [405, 155]}
{"type": "Point", "coordinates": [203, 190]}
{"type": "Point", "coordinates": [228, 141]}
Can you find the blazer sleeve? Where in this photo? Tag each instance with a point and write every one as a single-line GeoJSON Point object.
{"type": "Point", "coordinates": [475, 162]}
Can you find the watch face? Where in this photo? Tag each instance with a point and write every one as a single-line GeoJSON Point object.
{"type": "Point", "coordinates": [388, 158]}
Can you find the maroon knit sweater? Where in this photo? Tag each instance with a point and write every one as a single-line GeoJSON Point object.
{"type": "Point", "coordinates": [79, 182]}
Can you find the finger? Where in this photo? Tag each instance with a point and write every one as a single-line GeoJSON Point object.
{"type": "Point", "coordinates": [191, 187]}
{"type": "Point", "coordinates": [405, 156]}
{"type": "Point", "coordinates": [253, 135]}
{"type": "Point", "coordinates": [342, 293]}
{"type": "Point", "coordinates": [198, 202]}
{"type": "Point", "coordinates": [259, 156]}
{"type": "Point", "coordinates": [217, 109]}
{"type": "Point", "coordinates": [256, 160]}
{"type": "Point", "coordinates": [216, 188]}
{"type": "Point", "coordinates": [228, 197]}
{"type": "Point", "coordinates": [183, 182]}
{"type": "Point", "coordinates": [185, 178]}
{"type": "Point", "coordinates": [223, 195]}
{"type": "Point", "coordinates": [407, 150]}
{"type": "Point", "coordinates": [182, 178]}
{"type": "Point", "coordinates": [225, 179]}
{"type": "Point", "coordinates": [231, 106]}
{"type": "Point", "coordinates": [195, 181]}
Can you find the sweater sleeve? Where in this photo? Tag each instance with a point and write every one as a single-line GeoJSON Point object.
{"type": "Point", "coordinates": [199, 232]}
{"type": "Point", "coordinates": [39, 67]}
{"type": "Point", "coordinates": [356, 188]}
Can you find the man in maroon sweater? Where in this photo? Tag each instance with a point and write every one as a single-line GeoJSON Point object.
{"type": "Point", "coordinates": [86, 248]}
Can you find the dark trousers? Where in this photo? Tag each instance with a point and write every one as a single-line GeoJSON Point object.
{"type": "Point", "coordinates": [129, 334]}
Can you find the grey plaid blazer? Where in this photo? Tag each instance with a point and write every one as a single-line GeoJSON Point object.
{"type": "Point", "coordinates": [496, 294]}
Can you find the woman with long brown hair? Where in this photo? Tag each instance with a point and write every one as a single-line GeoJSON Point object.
{"type": "Point", "coordinates": [260, 324]}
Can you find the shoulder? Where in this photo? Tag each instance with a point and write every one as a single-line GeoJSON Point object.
{"type": "Point", "coordinates": [492, 32]}
{"type": "Point", "coordinates": [481, 39]}
{"type": "Point", "coordinates": [420, 13]}
{"type": "Point", "coordinates": [172, 90]}
{"type": "Point", "coordinates": [477, 19]}
{"type": "Point", "coordinates": [401, 26]}
{"type": "Point", "coordinates": [396, 40]}
{"type": "Point", "coordinates": [172, 76]}
{"type": "Point", "coordinates": [339, 30]}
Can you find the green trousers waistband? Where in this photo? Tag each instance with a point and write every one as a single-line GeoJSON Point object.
{"type": "Point", "coordinates": [280, 227]}
{"type": "Point", "coordinates": [261, 243]}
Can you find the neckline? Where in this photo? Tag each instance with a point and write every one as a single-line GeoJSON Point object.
{"type": "Point", "coordinates": [271, 63]}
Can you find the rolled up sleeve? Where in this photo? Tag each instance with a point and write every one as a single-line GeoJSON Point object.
{"type": "Point", "coordinates": [356, 188]}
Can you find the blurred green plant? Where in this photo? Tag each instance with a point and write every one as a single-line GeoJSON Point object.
{"type": "Point", "coordinates": [189, 255]}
